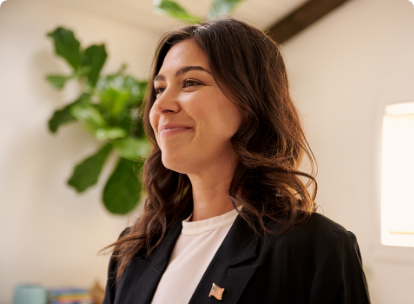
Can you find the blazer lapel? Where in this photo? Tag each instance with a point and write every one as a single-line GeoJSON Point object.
{"type": "Point", "coordinates": [227, 269]}
{"type": "Point", "coordinates": [141, 288]}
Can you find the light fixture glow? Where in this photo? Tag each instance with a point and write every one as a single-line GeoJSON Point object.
{"type": "Point", "coordinates": [397, 197]}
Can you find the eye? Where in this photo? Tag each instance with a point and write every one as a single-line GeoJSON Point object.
{"type": "Point", "coordinates": [158, 90]}
{"type": "Point", "coordinates": [191, 83]}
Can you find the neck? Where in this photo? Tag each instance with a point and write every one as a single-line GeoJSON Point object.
{"type": "Point", "coordinates": [210, 192]}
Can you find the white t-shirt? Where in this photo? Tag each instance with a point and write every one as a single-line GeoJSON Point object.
{"type": "Point", "coordinates": [193, 252]}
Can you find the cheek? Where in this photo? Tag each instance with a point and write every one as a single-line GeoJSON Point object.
{"type": "Point", "coordinates": [153, 119]}
{"type": "Point", "coordinates": [230, 119]}
{"type": "Point", "coordinates": [221, 123]}
{"type": "Point", "coordinates": [232, 124]}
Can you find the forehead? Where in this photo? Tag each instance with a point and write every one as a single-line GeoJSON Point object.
{"type": "Point", "coordinates": [184, 53]}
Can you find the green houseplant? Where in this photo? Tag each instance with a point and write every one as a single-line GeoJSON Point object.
{"type": "Point", "coordinates": [109, 107]}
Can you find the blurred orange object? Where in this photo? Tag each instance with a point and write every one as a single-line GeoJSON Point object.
{"type": "Point", "coordinates": [97, 293]}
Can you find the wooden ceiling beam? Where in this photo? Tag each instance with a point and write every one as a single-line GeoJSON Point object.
{"type": "Point", "coordinates": [301, 18]}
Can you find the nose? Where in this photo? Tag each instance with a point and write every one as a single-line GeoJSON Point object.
{"type": "Point", "coordinates": [166, 103]}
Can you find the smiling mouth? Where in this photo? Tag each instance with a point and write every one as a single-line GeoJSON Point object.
{"type": "Point", "coordinates": [173, 130]}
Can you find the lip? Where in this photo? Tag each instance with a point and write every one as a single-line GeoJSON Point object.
{"type": "Point", "coordinates": [172, 129]}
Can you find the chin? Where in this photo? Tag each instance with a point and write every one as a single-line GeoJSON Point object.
{"type": "Point", "coordinates": [177, 163]}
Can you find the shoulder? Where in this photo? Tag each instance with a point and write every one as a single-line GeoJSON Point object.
{"type": "Point", "coordinates": [326, 234]}
{"type": "Point", "coordinates": [319, 227]}
{"type": "Point", "coordinates": [317, 234]}
{"type": "Point", "coordinates": [319, 255]}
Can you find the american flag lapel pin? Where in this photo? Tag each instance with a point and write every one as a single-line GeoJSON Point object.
{"type": "Point", "coordinates": [217, 292]}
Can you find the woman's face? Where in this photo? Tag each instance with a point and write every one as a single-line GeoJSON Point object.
{"type": "Point", "coordinates": [192, 119]}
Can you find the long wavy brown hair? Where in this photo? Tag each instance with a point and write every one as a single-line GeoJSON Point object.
{"type": "Point", "coordinates": [270, 144]}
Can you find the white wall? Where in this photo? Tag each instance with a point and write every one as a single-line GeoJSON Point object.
{"type": "Point", "coordinates": [48, 233]}
{"type": "Point", "coordinates": [344, 69]}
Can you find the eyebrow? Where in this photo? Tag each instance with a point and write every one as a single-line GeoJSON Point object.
{"type": "Point", "coordinates": [181, 71]}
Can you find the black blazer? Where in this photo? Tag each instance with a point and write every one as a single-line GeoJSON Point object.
{"type": "Point", "coordinates": [317, 262]}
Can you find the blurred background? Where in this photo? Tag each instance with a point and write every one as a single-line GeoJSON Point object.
{"type": "Point", "coordinates": [346, 60]}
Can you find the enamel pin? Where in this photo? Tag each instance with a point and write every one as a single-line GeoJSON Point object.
{"type": "Point", "coordinates": [217, 292]}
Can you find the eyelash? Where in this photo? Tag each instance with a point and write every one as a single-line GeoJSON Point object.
{"type": "Point", "coordinates": [186, 81]}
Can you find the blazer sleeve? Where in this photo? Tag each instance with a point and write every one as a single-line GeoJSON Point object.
{"type": "Point", "coordinates": [339, 277]}
{"type": "Point", "coordinates": [110, 290]}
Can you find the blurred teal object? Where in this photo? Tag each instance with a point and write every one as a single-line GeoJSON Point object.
{"type": "Point", "coordinates": [29, 294]}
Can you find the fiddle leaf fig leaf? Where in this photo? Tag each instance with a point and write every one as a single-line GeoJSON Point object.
{"type": "Point", "coordinates": [109, 108]}
{"type": "Point", "coordinates": [88, 113]}
{"type": "Point", "coordinates": [82, 72]}
{"type": "Point", "coordinates": [123, 189]}
{"type": "Point", "coordinates": [138, 89]}
{"type": "Point", "coordinates": [58, 81]}
{"type": "Point", "coordinates": [93, 59]}
{"type": "Point", "coordinates": [172, 9]}
{"type": "Point", "coordinates": [222, 8]}
{"type": "Point", "coordinates": [66, 46]}
{"type": "Point", "coordinates": [113, 94]}
{"type": "Point", "coordinates": [64, 115]}
{"type": "Point", "coordinates": [115, 101]}
{"type": "Point", "coordinates": [116, 92]}
{"type": "Point", "coordinates": [87, 172]}
{"type": "Point", "coordinates": [137, 129]}
{"type": "Point", "coordinates": [60, 117]}
{"type": "Point", "coordinates": [132, 148]}
{"type": "Point", "coordinates": [109, 133]}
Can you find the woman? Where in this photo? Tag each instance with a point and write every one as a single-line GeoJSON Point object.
{"type": "Point", "coordinates": [228, 217]}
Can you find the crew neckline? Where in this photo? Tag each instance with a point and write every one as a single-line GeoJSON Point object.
{"type": "Point", "coordinates": [199, 227]}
